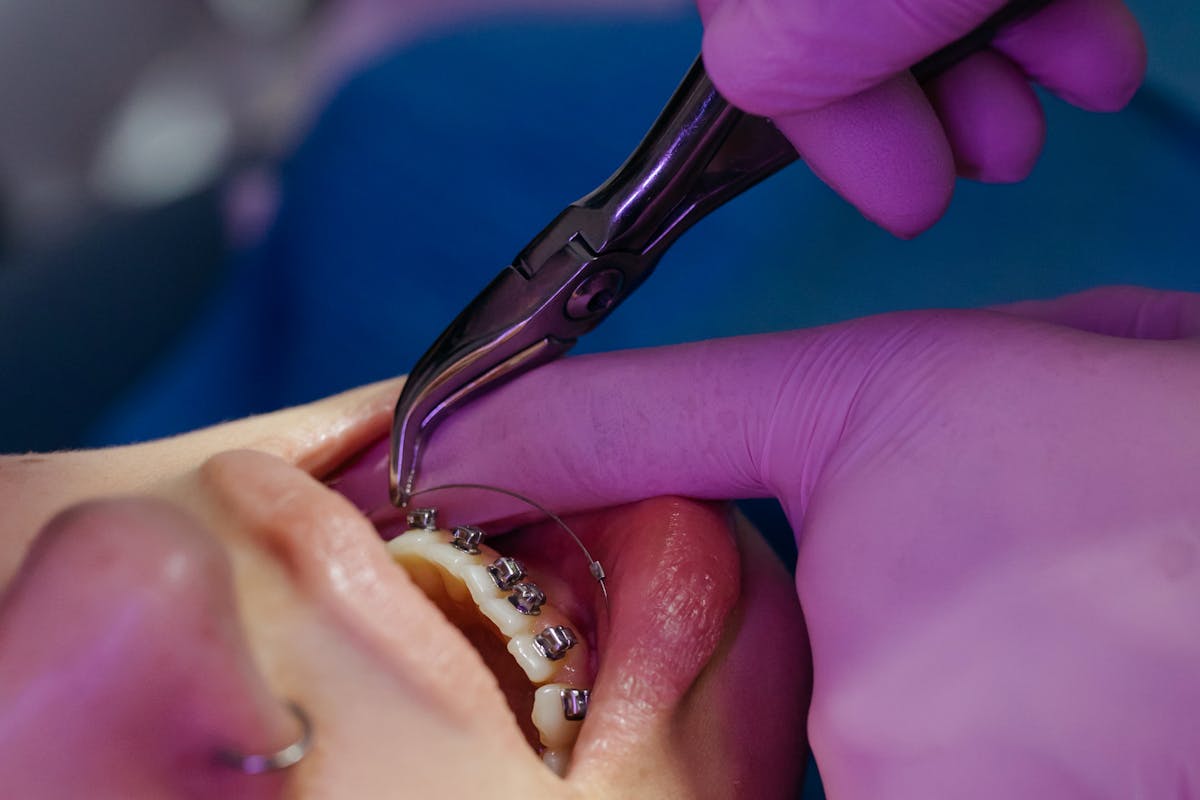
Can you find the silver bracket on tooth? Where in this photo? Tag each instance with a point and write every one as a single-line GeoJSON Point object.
{"type": "Point", "coordinates": [575, 703]}
{"type": "Point", "coordinates": [528, 598]}
{"type": "Point", "coordinates": [555, 641]}
{"type": "Point", "coordinates": [422, 518]}
{"type": "Point", "coordinates": [467, 538]}
{"type": "Point", "coordinates": [506, 572]}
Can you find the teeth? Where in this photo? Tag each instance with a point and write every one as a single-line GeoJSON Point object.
{"type": "Point", "coordinates": [557, 731]}
{"type": "Point", "coordinates": [538, 668]}
{"type": "Point", "coordinates": [556, 726]}
{"type": "Point", "coordinates": [457, 566]}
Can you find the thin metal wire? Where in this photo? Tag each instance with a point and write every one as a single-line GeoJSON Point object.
{"type": "Point", "coordinates": [594, 567]}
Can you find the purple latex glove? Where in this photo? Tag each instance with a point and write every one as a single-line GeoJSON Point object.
{"type": "Point", "coordinates": [998, 518]}
{"type": "Point", "coordinates": [833, 76]}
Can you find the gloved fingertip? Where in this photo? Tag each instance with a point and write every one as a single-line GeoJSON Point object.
{"type": "Point", "coordinates": [1091, 53]}
{"type": "Point", "coordinates": [884, 151]}
{"type": "Point", "coordinates": [709, 8]}
{"type": "Point", "coordinates": [991, 116]}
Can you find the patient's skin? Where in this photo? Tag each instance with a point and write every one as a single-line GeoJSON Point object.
{"type": "Point", "coordinates": [138, 635]}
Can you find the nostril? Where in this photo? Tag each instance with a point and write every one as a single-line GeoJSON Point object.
{"type": "Point", "coordinates": [120, 635]}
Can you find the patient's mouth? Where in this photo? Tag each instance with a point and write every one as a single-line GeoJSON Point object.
{"type": "Point", "coordinates": [496, 605]}
{"type": "Point", "coordinates": [673, 577]}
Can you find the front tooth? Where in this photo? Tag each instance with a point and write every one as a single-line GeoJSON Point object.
{"type": "Point", "coordinates": [554, 728]}
{"type": "Point", "coordinates": [458, 591]}
{"type": "Point", "coordinates": [480, 583]}
{"type": "Point", "coordinates": [510, 621]}
{"type": "Point", "coordinates": [557, 760]}
{"type": "Point", "coordinates": [538, 668]}
{"type": "Point", "coordinates": [456, 565]}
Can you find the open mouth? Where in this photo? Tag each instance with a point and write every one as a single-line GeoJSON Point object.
{"type": "Point", "coordinates": [577, 672]}
{"type": "Point", "coordinates": [528, 642]}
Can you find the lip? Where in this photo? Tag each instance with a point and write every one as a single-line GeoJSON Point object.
{"type": "Point", "coordinates": [674, 580]}
{"type": "Point", "coordinates": [673, 576]}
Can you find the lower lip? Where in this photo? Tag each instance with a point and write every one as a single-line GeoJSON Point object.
{"type": "Point", "coordinates": [674, 578]}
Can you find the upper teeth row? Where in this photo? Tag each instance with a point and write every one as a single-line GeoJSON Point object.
{"type": "Point", "coordinates": [505, 573]}
{"type": "Point", "coordinates": [502, 592]}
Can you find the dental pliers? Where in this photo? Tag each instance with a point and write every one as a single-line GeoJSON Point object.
{"type": "Point", "coordinates": [700, 153]}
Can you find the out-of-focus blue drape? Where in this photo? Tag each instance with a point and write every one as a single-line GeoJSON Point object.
{"type": "Point", "coordinates": [433, 166]}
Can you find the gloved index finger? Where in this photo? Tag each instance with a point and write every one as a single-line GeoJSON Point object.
{"type": "Point", "coordinates": [713, 419]}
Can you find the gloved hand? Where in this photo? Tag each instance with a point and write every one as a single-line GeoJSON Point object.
{"type": "Point", "coordinates": [833, 76]}
{"type": "Point", "coordinates": [997, 513]}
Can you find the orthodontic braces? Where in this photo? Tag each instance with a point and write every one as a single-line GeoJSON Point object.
{"type": "Point", "coordinates": [552, 642]}
{"type": "Point", "coordinates": [575, 703]}
{"type": "Point", "coordinates": [528, 598]}
{"type": "Point", "coordinates": [467, 538]}
{"type": "Point", "coordinates": [506, 572]}
{"type": "Point", "coordinates": [428, 517]}
{"type": "Point", "coordinates": [425, 518]}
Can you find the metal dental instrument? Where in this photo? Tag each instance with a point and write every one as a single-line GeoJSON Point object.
{"type": "Point", "coordinates": [700, 153]}
{"type": "Point", "coordinates": [506, 572]}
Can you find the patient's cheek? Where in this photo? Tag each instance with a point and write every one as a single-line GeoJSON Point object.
{"type": "Point", "coordinates": [119, 645]}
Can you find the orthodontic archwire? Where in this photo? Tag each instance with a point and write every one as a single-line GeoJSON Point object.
{"type": "Point", "coordinates": [595, 568]}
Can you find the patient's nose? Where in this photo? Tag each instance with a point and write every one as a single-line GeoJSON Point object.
{"type": "Point", "coordinates": [123, 665]}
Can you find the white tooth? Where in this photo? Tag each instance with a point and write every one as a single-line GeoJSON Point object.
{"type": "Point", "coordinates": [538, 668]}
{"type": "Point", "coordinates": [480, 582]}
{"type": "Point", "coordinates": [437, 566]}
{"type": "Point", "coordinates": [506, 617]}
{"type": "Point", "coordinates": [413, 541]}
{"type": "Point", "coordinates": [434, 546]}
{"type": "Point", "coordinates": [555, 729]}
{"type": "Point", "coordinates": [557, 760]}
{"type": "Point", "coordinates": [425, 575]}
{"type": "Point", "coordinates": [456, 588]}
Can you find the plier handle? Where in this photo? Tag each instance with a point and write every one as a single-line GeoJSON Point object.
{"type": "Point", "coordinates": [700, 153]}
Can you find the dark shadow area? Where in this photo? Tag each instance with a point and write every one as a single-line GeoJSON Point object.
{"type": "Point", "coordinates": [82, 321]}
{"type": "Point", "coordinates": [767, 515]}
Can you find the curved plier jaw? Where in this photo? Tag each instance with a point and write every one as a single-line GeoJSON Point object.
{"type": "Point", "coordinates": [531, 313]}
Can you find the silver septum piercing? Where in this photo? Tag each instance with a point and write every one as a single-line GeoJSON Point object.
{"type": "Point", "coordinates": [506, 571]}
{"type": "Point", "coordinates": [259, 763]}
